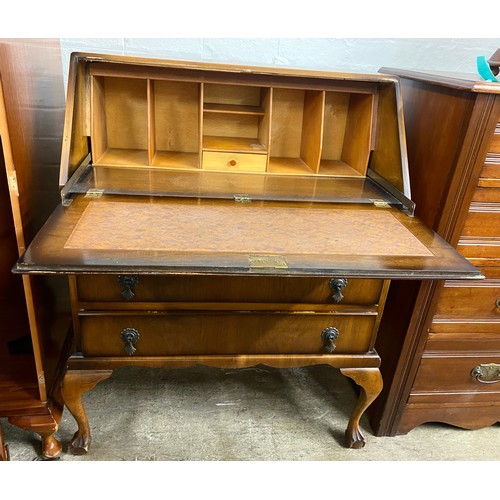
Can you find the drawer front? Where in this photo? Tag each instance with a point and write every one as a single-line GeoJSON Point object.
{"type": "Point", "coordinates": [491, 168]}
{"type": "Point", "coordinates": [237, 162]}
{"type": "Point", "coordinates": [488, 192]}
{"type": "Point", "coordinates": [495, 143]}
{"type": "Point", "coordinates": [483, 221]}
{"type": "Point", "coordinates": [225, 333]}
{"type": "Point", "coordinates": [477, 299]}
{"type": "Point", "coordinates": [474, 375]}
{"type": "Point", "coordinates": [254, 289]}
{"type": "Point", "coordinates": [480, 252]}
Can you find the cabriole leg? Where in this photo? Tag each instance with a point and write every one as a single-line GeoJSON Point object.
{"type": "Point", "coordinates": [370, 382]}
{"type": "Point", "coordinates": [4, 449]}
{"type": "Point", "coordinates": [75, 384]}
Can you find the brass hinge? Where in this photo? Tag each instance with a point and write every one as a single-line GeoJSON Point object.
{"type": "Point", "coordinates": [13, 183]}
{"type": "Point", "coordinates": [242, 198]}
{"type": "Point", "coordinates": [94, 193]}
{"type": "Point", "coordinates": [381, 204]}
{"type": "Point", "coordinates": [267, 261]}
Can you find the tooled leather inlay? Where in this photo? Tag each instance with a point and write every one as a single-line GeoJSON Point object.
{"type": "Point", "coordinates": [167, 227]}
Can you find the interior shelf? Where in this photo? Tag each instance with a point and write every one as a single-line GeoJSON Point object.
{"type": "Point", "coordinates": [233, 144]}
{"type": "Point", "coordinates": [176, 159]}
{"type": "Point", "coordinates": [122, 157]}
{"type": "Point", "coordinates": [288, 166]}
{"type": "Point", "coordinates": [337, 168]}
{"type": "Point", "coordinates": [236, 109]}
{"type": "Point", "coordinates": [172, 124]}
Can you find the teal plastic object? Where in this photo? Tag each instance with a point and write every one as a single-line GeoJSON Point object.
{"type": "Point", "coordinates": [484, 70]}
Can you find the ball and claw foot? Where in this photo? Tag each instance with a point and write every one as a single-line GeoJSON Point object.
{"type": "Point", "coordinates": [79, 444]}
{"type": "Point", "coordinates": [354, 439]}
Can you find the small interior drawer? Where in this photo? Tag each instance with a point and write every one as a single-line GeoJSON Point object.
{"type": "Point", "coordinates": [237, 162]}
{"type": "Point", "coordinates": [205, 333]}
{"type": "Point", "coordinates": [255, 289]}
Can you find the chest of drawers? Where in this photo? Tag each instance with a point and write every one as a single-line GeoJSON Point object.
{"type": "Point", "coordinates": [232, 217]}
{"type": "Point", "coordinates": [448, 367]}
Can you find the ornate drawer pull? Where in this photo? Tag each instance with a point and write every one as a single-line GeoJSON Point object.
{"type": "Point", "coordinates": [487, 373]}
{"type": "Point", "coordinates": [497, 303]}
{"type": "Point", "coordinates": [128, 284]}
{"type": "Point", "coordinates": [336, 286]}
{"type": "Point", "coordinates": [130, 337]}
{"type": "Point", "coordinates": [328, 335]}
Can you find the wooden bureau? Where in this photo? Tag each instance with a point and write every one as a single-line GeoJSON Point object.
{"type": "Point", "coordinates": [448, 367]}
{"type": "Point", "coordinates": [231, 216]}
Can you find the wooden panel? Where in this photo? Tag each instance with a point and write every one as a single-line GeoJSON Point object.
{"type": "Point", "coordinates": [452, 374]}
{"type": "Point", "coordinates": [495, 142]}
{"type": "Point", "coordinates": [478, 298]}
{"type": "Point", "coordinates": [483, 220]}
{"type": "Point", "coordinates": [229, 289]}
{"type": "Point", "coordinates": [336, 109]}
{"type": "Point", "coordinates": [176, 111]}
{"type": "Point", "coordinates": [226, 333]}
{"type": "Point", "coordinates": [286, 127]}
{"type": "Point", "coordinates": [358, 133]}
{"type": "Point", "coordinates": [234, 162]}
{"type": "Point", "coordinates": [126, 111]}
{"type": "Point", "coordinates": [232, 94]}
{"type": "Point", "coordinates": [476, 335]}
{"type": "Point", "coordinates": [489, 193]}
{"type": "Point", "coordinates": [31, 116]}
{"type": "Point", "coordinates": [312, 129]}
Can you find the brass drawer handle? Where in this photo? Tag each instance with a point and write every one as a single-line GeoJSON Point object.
{"type": "Point", "coordinates": [128, 284]}
{"type": "Point", "coordinates": [497, 303]}
{"type": "Point", "coordinates": [232, 163]}
{"type": "Point", "coordinates": [487, 373]}
{"type": "Point", "coordinates": [328, 335]}
{"type": "Point", "coordinates": [130, 337]}
{"type": "Point", "coordinates": [336, 286]}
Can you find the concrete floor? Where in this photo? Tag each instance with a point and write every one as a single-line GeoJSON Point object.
{"type": "Point", "coordinates": [255, 414]}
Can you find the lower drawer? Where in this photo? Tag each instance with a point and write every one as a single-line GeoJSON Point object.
{"type": "Point", "coordinates": [222, 333]}
{"type": "Point", "coordinates": [475, 377]}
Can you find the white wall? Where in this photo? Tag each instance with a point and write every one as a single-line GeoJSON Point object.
{"type": "Point", "coordinates": [363, 55]}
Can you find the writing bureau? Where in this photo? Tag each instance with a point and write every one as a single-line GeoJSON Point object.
{"type": "Point", "coordinates": [231, 216]}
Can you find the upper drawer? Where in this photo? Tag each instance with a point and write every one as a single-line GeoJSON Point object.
{"type": "Point", "coordinates": [148, 288]}
{"type": "Point", "coordinates": [479, 298]}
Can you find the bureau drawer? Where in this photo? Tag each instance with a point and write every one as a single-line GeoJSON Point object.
{"type": "Point", "coordinates": [473, 375]}
{"type": "Point", "coordinates": [237, 162]}
{"type": "Point", "coordinates": [206, 333]}
{"type": "Point", "coordinates": [256, 289]}
{"type": "Point", "coordinates": [483, 221]}
{"type": "Point", "coordinates": [475, 299]}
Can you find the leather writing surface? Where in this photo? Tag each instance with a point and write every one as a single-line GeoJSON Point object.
{"type": "Point", "coordinates": [241, 229]}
